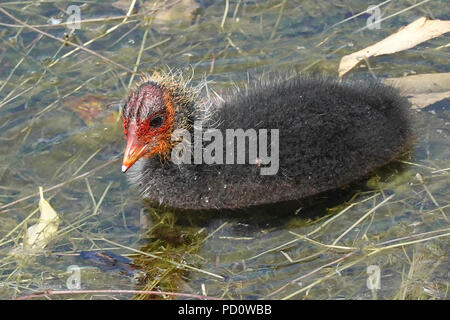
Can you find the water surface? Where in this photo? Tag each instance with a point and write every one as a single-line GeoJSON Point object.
{"type": "Point", "coordinates": [59, 108]}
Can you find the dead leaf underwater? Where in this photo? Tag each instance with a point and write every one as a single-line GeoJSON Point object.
{"type": "Point", "coordinates": [39, 235]}
{"type": "Point", "coordinates": [419, 31]}
{"type": "Point", "coordinates": [423, 89]}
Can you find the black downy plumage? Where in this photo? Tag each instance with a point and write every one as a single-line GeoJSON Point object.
{"type": "Point", "coordinates": [331, 133]}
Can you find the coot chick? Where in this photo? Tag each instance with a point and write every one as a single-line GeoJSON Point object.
{"type": "Point", "coordinates": [330, 134]}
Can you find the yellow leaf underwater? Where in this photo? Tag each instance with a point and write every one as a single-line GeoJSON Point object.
{"type": "Point", "coordinates": [419, 31]}
{"type": "Point", "coordinates": [38, 236]}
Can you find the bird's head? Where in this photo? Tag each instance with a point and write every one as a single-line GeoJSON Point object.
{"type": "Point", "coordinates": [157, 106]}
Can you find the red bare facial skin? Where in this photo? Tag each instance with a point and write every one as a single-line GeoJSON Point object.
{"type": "Point", "coordinates": [135, 148]}
{"type": "Point", "coordinates": [144, 137]}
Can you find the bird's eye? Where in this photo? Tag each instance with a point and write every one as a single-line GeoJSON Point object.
{"type": "Point", "coordinates": [156, 122]}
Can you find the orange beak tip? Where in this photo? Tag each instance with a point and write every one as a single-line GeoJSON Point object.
{"type": "Point", "coordinates": [124, 168]}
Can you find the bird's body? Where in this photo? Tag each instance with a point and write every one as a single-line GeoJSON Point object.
{"type": "Point", "coordinates": [330, 134]}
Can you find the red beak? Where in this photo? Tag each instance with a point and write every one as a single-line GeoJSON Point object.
{"type": "Point", "coordinates": [134, 150]}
